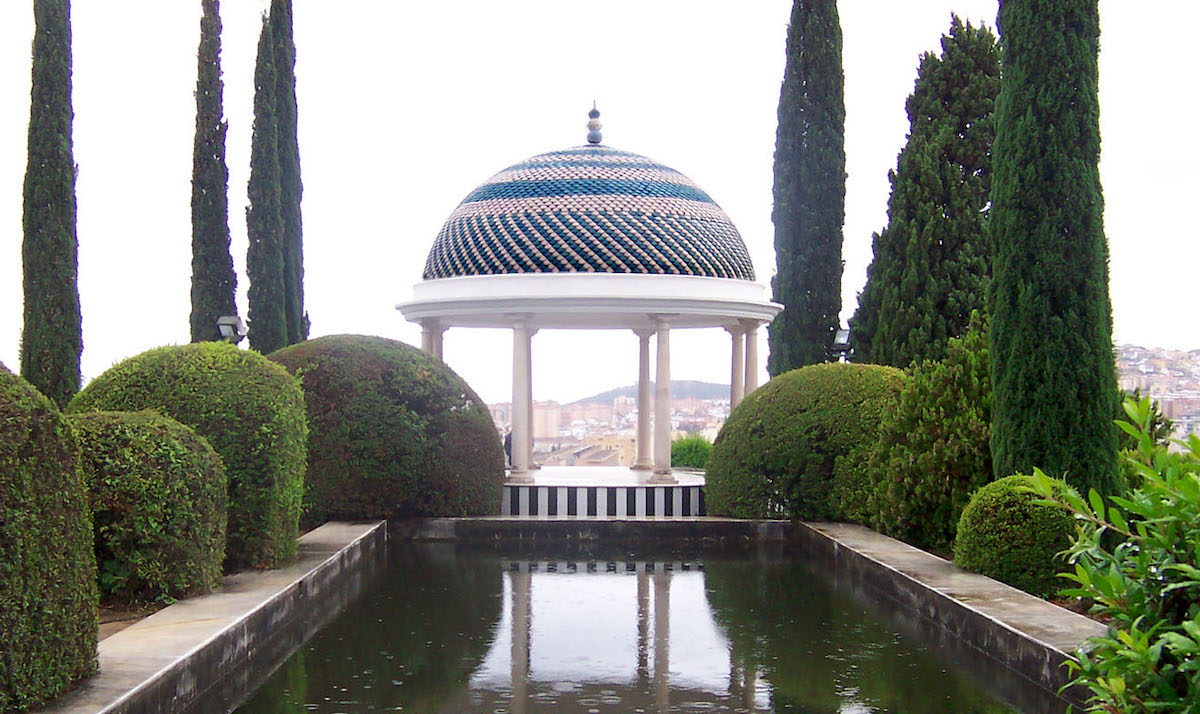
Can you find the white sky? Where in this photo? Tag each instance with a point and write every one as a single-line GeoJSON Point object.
{"type": "Point", "coordinates": [405, 107]}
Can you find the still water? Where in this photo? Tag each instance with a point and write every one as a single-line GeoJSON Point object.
{"type": "Point", "coordinates": [454, 629]}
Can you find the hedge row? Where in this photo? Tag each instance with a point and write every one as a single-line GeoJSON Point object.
{"type": "Point", "coordinates": [796, 447]}
{"type": "Point", "coordinates": [158, 497]}
{"type": "Point", "coordinates": [393, 433]}
{"type": "Point", "coordinates": [48, 618]}
{"type": "Point", "coordinates": [252, 413]}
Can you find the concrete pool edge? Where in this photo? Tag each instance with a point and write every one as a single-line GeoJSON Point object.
{"type": "Point", "coordinates": [169, 660]}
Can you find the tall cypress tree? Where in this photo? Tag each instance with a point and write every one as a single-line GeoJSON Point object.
{"type": "Point", "coordinates": [213, 279]}
{"type": "Point", "coordinates": [264, 223]}
{"type": "Point", "coordinates": [1053, 378]}
{"type": "Point", "coordinates": [290, 187]}
{"type": "Point", "coordinates": [52, 337]}
{"type": "Point", "coordinates": [932, 261]}
{"type": "Point", "coordinates": [810, 189]}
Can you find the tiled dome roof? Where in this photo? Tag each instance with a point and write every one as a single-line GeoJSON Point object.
{"type": "Point", "coordinates": [589, 209]}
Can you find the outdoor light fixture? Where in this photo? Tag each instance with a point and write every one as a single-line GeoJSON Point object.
{"type": "Point", "coordinates": [841, 344]}
{"type": "Point", "coordinates": [232, 328]}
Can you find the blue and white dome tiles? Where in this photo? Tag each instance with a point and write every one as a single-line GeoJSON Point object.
{"type": "Point", "coordinates": [589, 209]}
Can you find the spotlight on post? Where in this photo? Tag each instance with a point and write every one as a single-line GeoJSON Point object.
{"type": "Point", "coordinates": [841, 345]}
{"type": "Point", "coordinates": [232, 328]}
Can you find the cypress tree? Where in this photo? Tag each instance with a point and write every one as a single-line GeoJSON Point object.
{"type": "Point", "coordinates": [1053, 378]}
{"type": "Point", "coordinates": [931, 263]}
{"type": "Point", "coordinates": [810, 189]}
{"type": "Point", "coordinates": [213, 279]}
{"type": "Point", "coordinates": [264, 223]}
{"type": "Point", "coordinates": [290, 187]}
{"type": "Point", "coordinates": [52, 336]}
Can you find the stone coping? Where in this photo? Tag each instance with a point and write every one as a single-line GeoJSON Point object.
{"type": "Point", "coordinates": [166, 661]}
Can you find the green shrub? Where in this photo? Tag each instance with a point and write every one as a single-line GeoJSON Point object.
{"type": "Point", "coordinates": [1004, 533]}
{"type": "Point", "coordinates": [393, 433]}
{"type": "Point", "coordinates": [1138, 562]}
{"type": "Point", "coordinates": [933, 451]}
{"type": "Point", "coordinates": [795, 447]}
{"type": "Point", "coordinates": [48, 620]}
{"type": "Point", "coordinates": [691, 452]}
{"type": "Point", "coordinates": [252, 413]}
{"type": "Point", "coordinates": [157, 492]}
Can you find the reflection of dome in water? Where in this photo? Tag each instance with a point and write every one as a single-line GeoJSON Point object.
{"type": "Point", "coordinates": [589, 209]}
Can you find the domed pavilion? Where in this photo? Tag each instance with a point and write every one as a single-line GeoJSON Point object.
{"type": "Point", "coordinates": [590, 238]}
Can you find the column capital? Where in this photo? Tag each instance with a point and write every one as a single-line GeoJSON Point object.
{"type": "Point", "coordinates": [644, 333]}
{"type": "Point", "coordinates": [750, 324]}
{"type": "Point", "coordinates": [738, 330]}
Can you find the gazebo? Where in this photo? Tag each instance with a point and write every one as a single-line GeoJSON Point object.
{"type": "Point", "coordinates": [591, 238]}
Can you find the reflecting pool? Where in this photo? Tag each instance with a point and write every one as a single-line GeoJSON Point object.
{"type": "Point", "coordinates": [459, 629]}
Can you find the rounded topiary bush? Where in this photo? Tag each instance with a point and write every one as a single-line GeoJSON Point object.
{"type": "Point", "coordinates": [157, 492]}
{"type": "Point", "coordinates": [393, 432]}
{"type": "Point", "coordinates": [252, 413]}
{"type": "Point", "coordinates": [1004, 535]}
{"type": "Point", "coordinates": [795, 447]}
{"type": "Point", "coordinates": [48, 619]}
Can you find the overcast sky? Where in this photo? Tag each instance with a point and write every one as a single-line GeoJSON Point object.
{"type": "Point", "coordinates": [405, 107]}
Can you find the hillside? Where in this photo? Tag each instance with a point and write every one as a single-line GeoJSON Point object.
{"type": "Point", "coordinates": [680, 389]}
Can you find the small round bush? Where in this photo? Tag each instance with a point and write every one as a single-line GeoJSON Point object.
{"type": "Point", "coordinates": [393, 432]}
{"type": "Point", "coordinates": [157, 492]}
{"type": "Point", "coordinates": [796, 447]}
{"type": "Point", "coordinates": [48, 619]}
{"type": "Point", "coordinates": [252, 413]}
{"type": "Point", "coordinates": [1004, 535]}
{"type": "Point", "coordinates": [691, 452]}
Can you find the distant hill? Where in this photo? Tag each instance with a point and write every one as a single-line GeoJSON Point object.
{"type": "Point", "coordinates": [680, 389]}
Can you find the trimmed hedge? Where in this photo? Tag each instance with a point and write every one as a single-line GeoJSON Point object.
{"type": "Point", "coordinates": [252, 413]}
{"type": "Point", "coordinates": [393, 432]}
{"type": "Point", "coordinates": [48, 617]}
{"type": "Point", "coordinates": [1004, 535]}
{"type": "Point", "coordinates": [691, 452]}
{"type": "Point", "coordinates": [797, 446]}
{"type": "Point", "coordinates": [157, 492]}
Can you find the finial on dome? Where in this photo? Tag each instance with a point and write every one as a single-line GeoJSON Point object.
{"type": "Point", "coordinates": [594, 125]}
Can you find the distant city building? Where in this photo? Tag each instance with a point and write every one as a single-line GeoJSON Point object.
{"type": "Point", "coordinates": [600, 434]}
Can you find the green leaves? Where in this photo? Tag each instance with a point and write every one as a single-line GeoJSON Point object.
{"type": "Point", "coordinates": [1135, 561]}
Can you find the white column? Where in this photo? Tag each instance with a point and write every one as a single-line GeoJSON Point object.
{"type": "Point", "coordinates": [644, 460]}
{"type": "Point", "coordinates": [439, 334]}
{"type": "Point", "coordinates": [662, 405]}
{"type": "Point", "coordinates": [737, 376]}
{"type": "Point", "coordinates": [427, 335]}
{"type": "Point", "coordinates": [529, 398]}
{"type": "Point", "coordinates": [751, 355]}
{"type": "Point", "coordinates": [520, 404]}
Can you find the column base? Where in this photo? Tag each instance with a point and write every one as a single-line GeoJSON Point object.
{"type": "Point", "coordinates": [663, 477]}
{"type": "Point", "coordinates": [642, 467]}
{"type": "Point", "coordinates": [519, 477]}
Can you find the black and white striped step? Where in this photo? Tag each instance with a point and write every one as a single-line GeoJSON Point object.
{"type": "Point", "coordinates": [602, 502]}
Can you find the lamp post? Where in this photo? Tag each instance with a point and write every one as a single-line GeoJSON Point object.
{"type": "Point", "coordinates": [841, 345]}
{"type": "Point", "coordinates": [232, 328]}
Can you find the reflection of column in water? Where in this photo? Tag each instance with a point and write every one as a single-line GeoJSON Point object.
{"type": "Point", "coordinates": [662, 637]}
{"type": "Point", "coordinates": [521, 599]}
{"type": "Point", "coordinates": [749, 683]}
{"type": "Point", "coordinates": [643, 626]}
